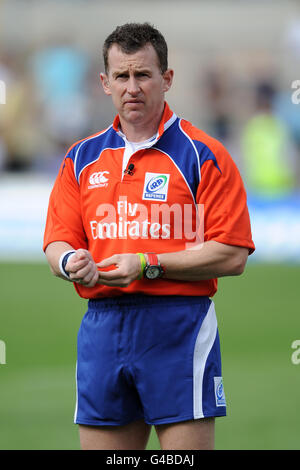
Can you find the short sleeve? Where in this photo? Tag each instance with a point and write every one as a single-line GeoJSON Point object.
{"type": "Point", "coordinates": [222, 193]}
{"type": "Point", "coordinates": [64, 221]}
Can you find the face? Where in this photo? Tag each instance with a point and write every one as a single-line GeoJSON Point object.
{"type": "Point", "coordinates": [136, 84]}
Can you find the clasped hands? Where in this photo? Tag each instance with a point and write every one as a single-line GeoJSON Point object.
{"type": "Point", "coordinates": [126, 267]}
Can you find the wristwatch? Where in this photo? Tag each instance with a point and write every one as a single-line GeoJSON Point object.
{"type": "Point", "coordinates": [153, 268]}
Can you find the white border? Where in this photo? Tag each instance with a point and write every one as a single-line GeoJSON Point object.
{"type": "Point", "coordinates": [204, 343]}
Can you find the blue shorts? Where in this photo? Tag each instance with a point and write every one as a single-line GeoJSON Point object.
{"type": "Point", "coordinates": [151, 358]}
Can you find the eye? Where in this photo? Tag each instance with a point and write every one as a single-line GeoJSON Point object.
{"type": "Point", "coordinates": [142, 75]}
{"type": "Point", "coordinates": [122, 76]}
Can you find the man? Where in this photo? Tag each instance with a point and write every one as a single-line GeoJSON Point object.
{"type": "Point", "coordinates": [119, 227]}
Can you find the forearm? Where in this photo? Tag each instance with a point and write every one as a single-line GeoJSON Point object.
{"type": "Point", "coordinates": [211, 261]}
{"type": "Point", "coordinates": [53, 253]}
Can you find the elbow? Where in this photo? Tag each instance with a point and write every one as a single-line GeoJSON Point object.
{"type": "Point", "coordinates": [240, 262]}
{"type": "Point", "coordinates": [51, 265]}
{"type": "Point", "coordinates": [240, 268]}
{"type": "Point", "coordinates": [52, 270]}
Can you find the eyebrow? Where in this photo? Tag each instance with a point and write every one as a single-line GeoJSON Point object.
{"type": "Point", "coordinates": [125, 71]}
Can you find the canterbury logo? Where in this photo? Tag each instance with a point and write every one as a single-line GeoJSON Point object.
{"type": "Point", "coordinates": [98, 178]}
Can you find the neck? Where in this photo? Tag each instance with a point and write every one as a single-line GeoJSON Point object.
{"type": "Point", "coordinates": [137, 135]}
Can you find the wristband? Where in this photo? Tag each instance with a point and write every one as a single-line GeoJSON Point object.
{"type": "Point", "coordinates": [143, 264]}
{"type": "Point", "coordinates": [63, 261]}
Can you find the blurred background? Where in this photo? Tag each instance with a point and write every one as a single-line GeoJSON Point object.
{"type": "Point", "coordinates": [235, 62]}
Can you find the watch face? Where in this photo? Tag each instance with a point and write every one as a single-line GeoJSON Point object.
{"type": "Point", "coordinates": [152, 272]}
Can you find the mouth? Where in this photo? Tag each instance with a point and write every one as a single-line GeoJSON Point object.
{"type": "Point", "coordinates": [133, 102]}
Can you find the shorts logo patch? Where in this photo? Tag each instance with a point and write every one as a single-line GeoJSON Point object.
{"type": "Point", "coordinates": [219, 391]}
{"type": "Point", "coordinates": [156, 186]}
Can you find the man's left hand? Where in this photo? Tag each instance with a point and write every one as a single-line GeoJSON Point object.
{"type": "Point", "coordinates": [127, 269]}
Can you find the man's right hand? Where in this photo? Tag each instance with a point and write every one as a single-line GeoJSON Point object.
{"type": "Point", "coordinates": [82, 268]}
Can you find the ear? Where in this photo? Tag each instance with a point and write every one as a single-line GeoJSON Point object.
{"type": "Point", "coordinates": [168, 79]}
{"type": "Point", "coordinates": [105, 83]}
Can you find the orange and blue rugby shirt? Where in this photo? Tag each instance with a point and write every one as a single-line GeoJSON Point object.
{"type": "Point", "coordinates": [96, 206]}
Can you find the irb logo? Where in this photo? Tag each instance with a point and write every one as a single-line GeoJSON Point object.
{"type": "Point", "coordinates": [156, 183]}
{"type": "Point", "coordinates": [156, 187]}
{"type": "Point", "coordinates": [2, 352]}
{"type": "Point", "coordinates": [2, 92]}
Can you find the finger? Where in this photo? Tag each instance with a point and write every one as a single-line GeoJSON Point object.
{"type": "Point", "coordinates": [87, 280]}
{"type": "Point", "coordinates": [94, 280]}
{"type": "Point", "coordinates": [112, 260]}
{"type": "Point", "coordinates": [81, 253]}
{"type": "Point", "coordinates": [111, 275]}
{"type": "Point", "coordinates": [85, 276]}
{"type": "Point", "coordinates": [85, 271]}
{"type": "Point", "coordinates": [74, 265]}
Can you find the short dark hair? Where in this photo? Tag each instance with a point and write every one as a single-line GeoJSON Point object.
{"type": "Point", "coordinates": [132, 37]}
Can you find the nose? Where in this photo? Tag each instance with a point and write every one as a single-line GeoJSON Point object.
{"type": "Point", "coordinates": [133, 86]}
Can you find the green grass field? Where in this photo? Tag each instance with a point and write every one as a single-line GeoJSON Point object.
{"type": "Point", "coordinates": [259, 318]}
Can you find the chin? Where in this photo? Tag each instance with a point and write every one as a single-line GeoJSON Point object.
{"type": "Point", "coordinates": [133, 115]}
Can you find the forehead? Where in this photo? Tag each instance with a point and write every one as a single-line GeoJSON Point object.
{"type": "Point", "coordinates": [145, 57]}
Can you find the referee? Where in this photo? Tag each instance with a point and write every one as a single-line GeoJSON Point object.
{"type": "Point", "coordinates": [143, 218]}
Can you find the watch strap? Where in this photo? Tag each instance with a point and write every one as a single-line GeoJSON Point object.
{"type": "Point", "coordinates": [152, 259]}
